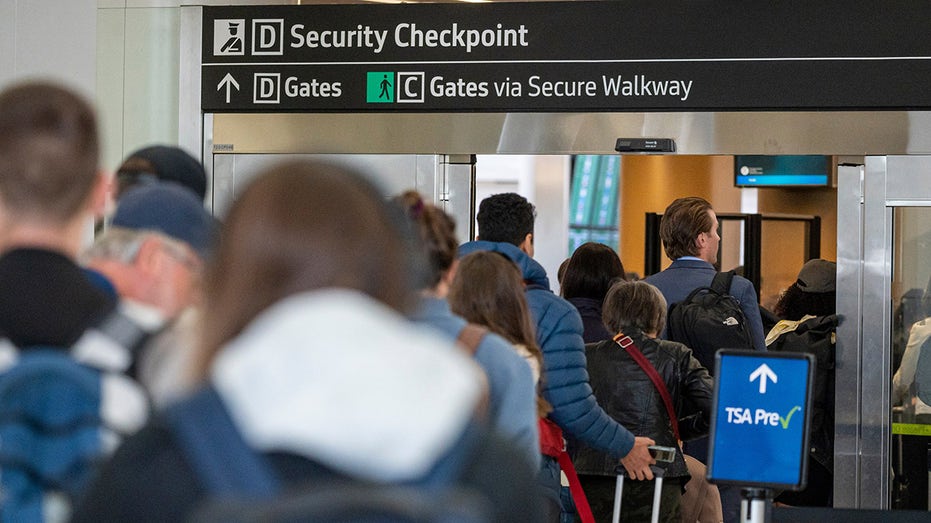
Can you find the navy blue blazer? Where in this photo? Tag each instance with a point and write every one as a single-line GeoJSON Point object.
{"type": "Point", "coordinates": [685, 275]}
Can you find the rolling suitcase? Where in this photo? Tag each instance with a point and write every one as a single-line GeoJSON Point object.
{"type": "Point", "coordinates": [619, 490]}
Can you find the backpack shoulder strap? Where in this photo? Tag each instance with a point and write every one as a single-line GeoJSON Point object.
{"type": "Point", "coordinates": [721, 283]}
{"type": "Point", "coordinates": [127, 330]}
{"type": "Point", "coordinates": [113, 344]}
{"type": "Point", "coordinates": [216, 450]}
{"type": "Point", "coordinates": [471, 336]}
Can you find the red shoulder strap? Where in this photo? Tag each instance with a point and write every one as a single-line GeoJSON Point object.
{"type": "Point", "coordinates": [628, 344]}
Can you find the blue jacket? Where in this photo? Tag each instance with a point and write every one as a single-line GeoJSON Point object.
{"type": "Point", "coordinates": [512, 393]}
{"type": "Point", "coordinates": [559, 334]}
{"type": "Point", "coordinates": [685, 275]}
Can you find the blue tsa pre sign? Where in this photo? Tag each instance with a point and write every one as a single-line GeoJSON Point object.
{"type": "Point", "coordinates": [759, 432]}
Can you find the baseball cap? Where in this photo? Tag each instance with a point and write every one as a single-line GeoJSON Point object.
{"type": "Point", "coordinates": [169, 208]}
{"type": "Point", "coordinates": [170, 164]}
{"type": "Point", "coordinates": [818, 276]}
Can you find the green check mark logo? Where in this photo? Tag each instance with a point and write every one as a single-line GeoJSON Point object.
{"type": "Point", "coordinates": [785, 421]}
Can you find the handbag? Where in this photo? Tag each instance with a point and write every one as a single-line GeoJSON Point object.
{"type": "Point", "coordinates": [701, 501]}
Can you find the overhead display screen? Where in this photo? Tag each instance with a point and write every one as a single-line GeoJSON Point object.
{"type": "Point", "coordinates": [783, 171]}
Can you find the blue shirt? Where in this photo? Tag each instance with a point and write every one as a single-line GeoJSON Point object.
{"type": "Point", "coordinates": [513, 400]}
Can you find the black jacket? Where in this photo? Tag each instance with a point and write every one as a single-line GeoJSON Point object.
{"type": "Point", "coordinates": [626, 393]}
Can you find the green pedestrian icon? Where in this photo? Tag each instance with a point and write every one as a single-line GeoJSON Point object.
{"type": "Point", "coordinates": [378, 87]}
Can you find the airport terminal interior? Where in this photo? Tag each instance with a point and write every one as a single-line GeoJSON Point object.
{"type": "Point", "coordinates": [847, 184]}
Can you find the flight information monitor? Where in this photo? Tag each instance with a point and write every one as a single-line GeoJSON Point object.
{"type": "Point", "coordinates": [783, 171]}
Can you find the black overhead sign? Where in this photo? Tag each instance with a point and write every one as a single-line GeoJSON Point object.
{"type": "Point", "coordinates": [568, 56]}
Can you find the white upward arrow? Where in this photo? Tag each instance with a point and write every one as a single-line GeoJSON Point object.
{"type": "Point", "coordinates": [228, 81]}
{"type": "Point", "coordinates": [763, 372]}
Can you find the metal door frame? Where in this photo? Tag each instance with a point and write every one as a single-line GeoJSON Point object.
{"type": "Point", "coordinates": [867, 196]}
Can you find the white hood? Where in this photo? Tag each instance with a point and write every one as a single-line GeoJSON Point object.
{"type": "Point", "coordinates": [338, 377]}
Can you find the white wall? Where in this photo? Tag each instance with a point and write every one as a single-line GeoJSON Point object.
{"type": "Point", "coordinates": [49, 39]}
{"type": "Point", "coordinates": [121, 54]}
{"type": "Point", "coordinates": [544, 181]}
{"type": "Point", "coordinates": [138, 55]}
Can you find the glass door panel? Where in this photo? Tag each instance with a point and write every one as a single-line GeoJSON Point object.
{"type": "Point", "coordinates": [911, 357]}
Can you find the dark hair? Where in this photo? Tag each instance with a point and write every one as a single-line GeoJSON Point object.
{"type": "Point", "coordinates": [297, 227]}
{"type": "Point", "coordinates": [634, 305]}
{"type": "Point", "coordinates": [506, 217]}
{"type": "Point", "coordinates": [592, 269]}
{"type": "Point", "coordinates": [796, 303]}
{"type": "Point", "coordinates": [437, 233]}
{"type": "Point", "coordinates": [489, 290]}
{"type": "Point", "coordinates": [561, 271]}
{"type": "Point", "coordinates": [683, 220]}
{"type": "Point", "coordinates": [49, 151]}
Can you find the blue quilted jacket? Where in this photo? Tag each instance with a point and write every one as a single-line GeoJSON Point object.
{"type": "Point", "coordinates": [559, 334]}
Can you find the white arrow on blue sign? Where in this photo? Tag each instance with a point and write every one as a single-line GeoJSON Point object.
{"type": "Point", "coordinates": [763, 372]}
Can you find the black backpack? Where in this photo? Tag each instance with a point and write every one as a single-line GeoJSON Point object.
{"type": "Point", "coordinates": [710, 319]}
{"type": "Point", "coordinates": [816, 336]}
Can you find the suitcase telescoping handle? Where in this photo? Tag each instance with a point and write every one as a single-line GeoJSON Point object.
{"type": "Point", "coordinates": [619, 490]}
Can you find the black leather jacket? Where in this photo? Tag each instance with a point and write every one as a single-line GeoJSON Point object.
{"type": "Point", "coordinates": [626, 393]}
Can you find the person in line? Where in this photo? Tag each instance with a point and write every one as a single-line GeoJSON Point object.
{"type": "Point", "coordinates": [637, 310]}
{"type": "Point", "coordinates": [307, 352]}
{"type": "Point", "coordinates": [807, 308]}
{"type": "Point", "coordinates": [50, 188]}
{"type": "Point", "coordinates": [151, 272]}
{"type": "Point", "coordinates": [689, 232]}
{"type": "Point", "coordinates": [814, 293]}
{"type": "Point", "coordinates": [155, 247]}
{"type": "Point", "coordinates": [51, 191]}
{"type": "Point", "coordinates": [911, 393]}
{"type": "Point", "coordinates": [904, 386]}
{"type": "Point", "coordinates": [165, 163]}
{"type": "Point", "coordinates": [511, 408]}
{"type": "Point", "coordinates": [505, 226]}
{"type": "Point", "coordinates": [152, 254]}
{"type": "Point", "coordinates": [489, 291]}
{"type": "Point", "coordinates": [591, 271]}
